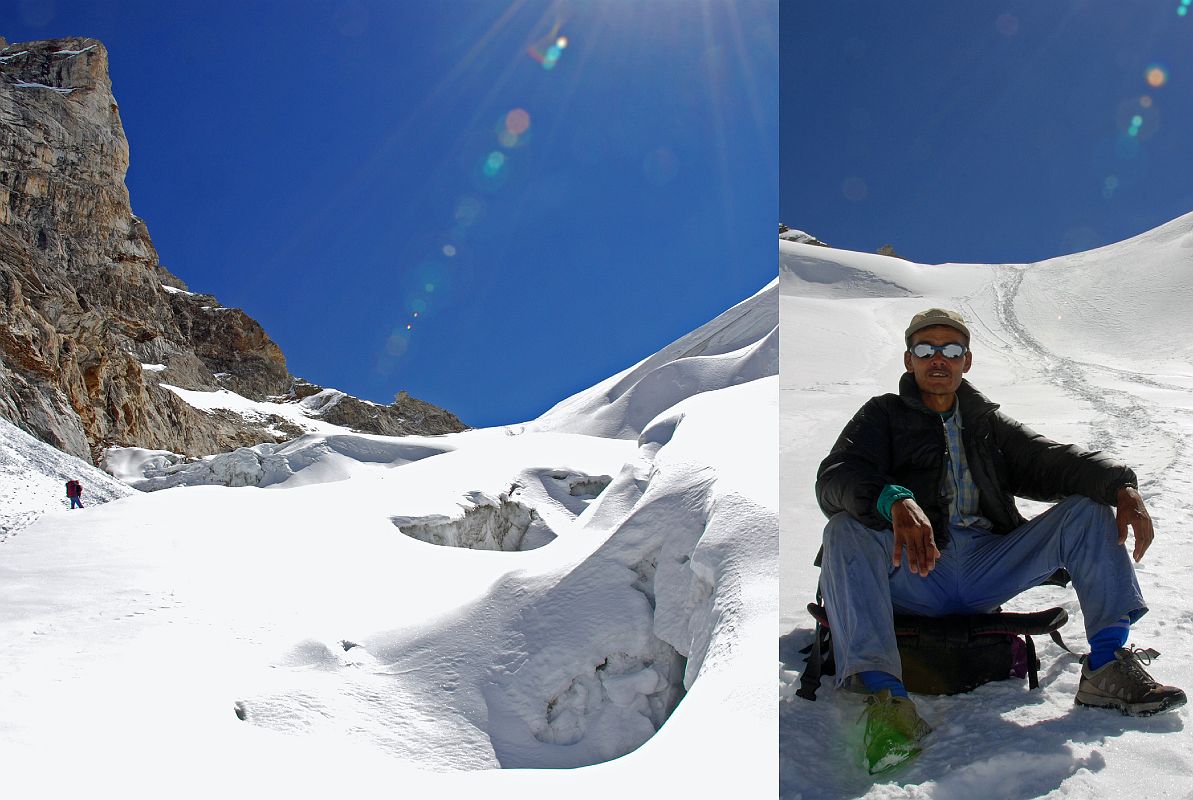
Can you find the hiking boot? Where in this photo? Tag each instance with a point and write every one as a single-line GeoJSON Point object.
{"type": "Point", "coordinates": [1124, 684]}
{"type": "Point", "coordinates": [893, 732]}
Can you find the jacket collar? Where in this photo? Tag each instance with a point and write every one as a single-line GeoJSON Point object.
{"type": "Point", "coordinates": [973, 403]}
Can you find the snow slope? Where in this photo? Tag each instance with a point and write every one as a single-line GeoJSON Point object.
{"type": "Point", "coordinates": [33, 480]}
{"type": "Point", "coordinates": [445, 614]}
{"type": "Point", "coordinates": [1090, 348]}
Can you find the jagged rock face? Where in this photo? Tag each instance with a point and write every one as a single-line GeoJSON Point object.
{"type": "Point", "coordinates": [84, 301]}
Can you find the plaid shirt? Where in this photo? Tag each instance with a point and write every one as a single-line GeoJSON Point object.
{"type": "Point", "coordinates": [964, 508]}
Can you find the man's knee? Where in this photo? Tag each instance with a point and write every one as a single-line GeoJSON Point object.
{"type": "Point", "coordinates": [844, 534]}
{"type": "Point", "coordinates": [1092, 513]}
{"type": "Point", "coordinates": [1081, 504]}
{"type": "Point", "coordinates": [1087, 523]}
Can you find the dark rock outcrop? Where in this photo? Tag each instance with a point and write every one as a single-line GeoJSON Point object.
{"type": "Point", "coordinates": [406, 415]}
{"type": "Point", "coordinates": [90, 321]}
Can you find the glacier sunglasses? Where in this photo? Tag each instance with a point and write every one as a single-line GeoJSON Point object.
{"type": "Point", "coordinates": [951, 350]}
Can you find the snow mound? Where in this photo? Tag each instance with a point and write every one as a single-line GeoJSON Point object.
{"type": "Point", "coordinates": [33, 479]}
{"type": "Point", "coordinates": [738, 346]}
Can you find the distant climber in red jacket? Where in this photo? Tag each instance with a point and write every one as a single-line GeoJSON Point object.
{"type": "Point", "coordinates": [74, 490]}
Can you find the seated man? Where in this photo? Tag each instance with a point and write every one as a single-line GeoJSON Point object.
{"type": "Point", "coordinates": [920, 489]}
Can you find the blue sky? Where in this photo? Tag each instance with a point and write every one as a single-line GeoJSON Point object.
{"type": "Point", "coordinates": [990, 132]}
{"type": "Point", "coordinates": [552, 216]}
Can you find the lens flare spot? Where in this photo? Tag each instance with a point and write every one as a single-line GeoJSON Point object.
{"type": "Point", "coordinates": [507, 140]}
{"type": "Point", "coordinates": [397, 344]}
{"type": "Point", "coordinates": [1127, 147]}
{"type": "Point", "coordinates": [548, 49]}
{"type": "Point", "coordinates": [1182, 11]}
{"type": "Point", "coordinates": [430, 287]}
{"type": "Point", "coordinates": [855, 189]}
{"type": "Point", "coordinates": [449, 250]}
{"type": "Point", "coordinates": [1137, 121]}
{"type": "Point", "coordinates": [432, 274]}
{"type": "Point", "coordinates": [493, 164]}
{"type": "Point", "coordinates": [1157, 75]}
{"type": "Point", "coordinates": [468, 210]}
{"type": "Point", "coordinates": [415, 314]}
{"type": "Point", "coordinates": [1007, 24]}
{"type": "Point", "coordinates": [517, 121]}
{"type": "Point", "coordinates": [409, 326]}
{"type": "Point", "coordinates": [1146, 101]}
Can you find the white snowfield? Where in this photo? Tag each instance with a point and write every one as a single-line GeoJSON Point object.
{"type": "Point", "coordinates": [417, 615]}
{"type": "Point", "coordinates": [1092, 348]}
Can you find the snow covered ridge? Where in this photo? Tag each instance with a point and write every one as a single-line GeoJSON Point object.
{"type": "Point", "coordinates": [302, 415]}
{"type": "Point", "coordinates": [792, 235]}
{"type": "Point", "coordinates": [738, 346]}
{"type": "Point", "coordinates": [1070, 347]}
{"type": "Point", "coordinates": [313, 409]}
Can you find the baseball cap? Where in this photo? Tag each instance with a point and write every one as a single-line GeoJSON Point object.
{"type": "Point", "coordinates": [936, 316]}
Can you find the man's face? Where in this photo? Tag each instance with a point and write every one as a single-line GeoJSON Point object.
{"type": "Point", "coordinates": [937, 374]}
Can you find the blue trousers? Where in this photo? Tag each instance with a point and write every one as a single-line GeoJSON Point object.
{"type": "Point", "coordinates": [977, 572]}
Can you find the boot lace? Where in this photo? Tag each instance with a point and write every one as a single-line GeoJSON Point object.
{"type": "Point", "coordinates": [1137, 659]}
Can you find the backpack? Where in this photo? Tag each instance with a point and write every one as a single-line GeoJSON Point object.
{"type": "Point", "coordinates": [950, 654]}
{"type": "Point", "coordinates": [73, 489]}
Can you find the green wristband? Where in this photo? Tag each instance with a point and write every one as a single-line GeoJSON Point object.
{"type": "Point", "coordinates": [890, 495]}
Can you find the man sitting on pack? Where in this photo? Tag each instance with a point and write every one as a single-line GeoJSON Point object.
{"type": "Point", "coordinates": [920, 489]}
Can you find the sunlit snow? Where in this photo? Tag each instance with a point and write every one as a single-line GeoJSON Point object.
{"type": "Point", "coordinates": [354, 613]}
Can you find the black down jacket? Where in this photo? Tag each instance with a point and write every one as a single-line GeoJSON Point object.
{"type": "Point", "coordinates": [896, 439]}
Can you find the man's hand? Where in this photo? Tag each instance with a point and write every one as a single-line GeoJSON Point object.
{"type": "Point", "coordinates": [914, 531]}
{"type": "Point", "coordinates": [1132, 513]}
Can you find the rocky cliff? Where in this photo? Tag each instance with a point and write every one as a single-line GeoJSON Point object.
{"type": "Point", "coordinates": [90, 321]}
